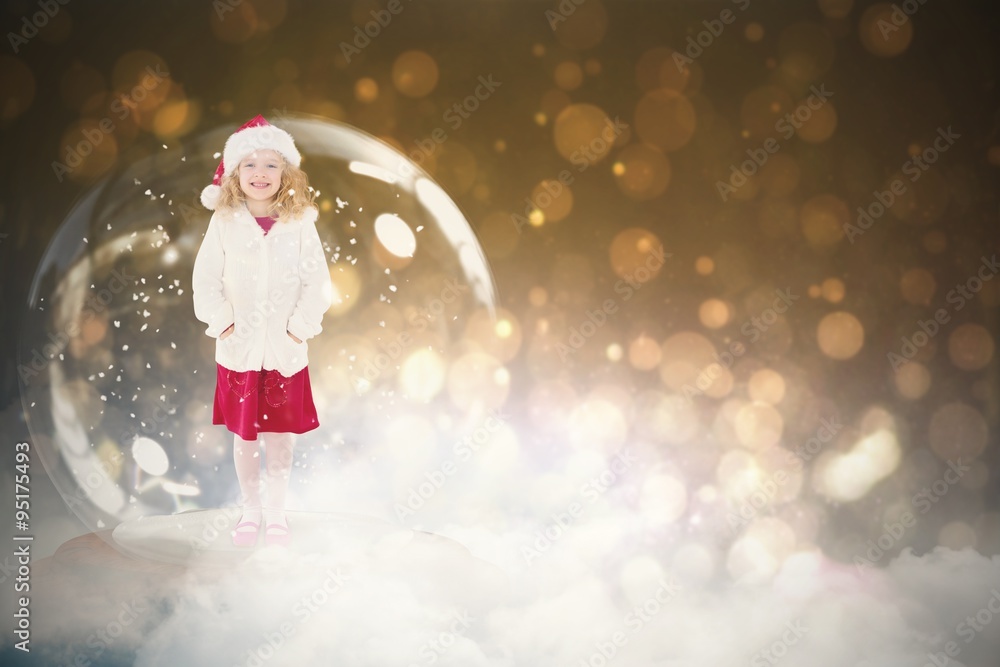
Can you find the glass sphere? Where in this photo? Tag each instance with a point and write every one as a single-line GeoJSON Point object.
{"type": "Point", "coordinates": [118, 377]}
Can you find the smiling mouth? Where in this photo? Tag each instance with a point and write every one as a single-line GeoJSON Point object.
{"type": "Point", "coordinates": [260, 186]}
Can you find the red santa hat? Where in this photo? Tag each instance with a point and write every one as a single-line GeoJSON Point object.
{"type": "Point", "coordinates": [256, 134]}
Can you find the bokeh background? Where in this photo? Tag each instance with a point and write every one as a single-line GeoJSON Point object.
{"type": "Point", "coordinates": [745, 313]}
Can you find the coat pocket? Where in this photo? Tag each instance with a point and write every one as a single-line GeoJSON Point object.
{"type": "Point", "coordinates": [290, 355]}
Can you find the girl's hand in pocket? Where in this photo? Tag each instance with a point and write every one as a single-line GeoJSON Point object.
{"type": "Point", "coordinates": [292, 336]}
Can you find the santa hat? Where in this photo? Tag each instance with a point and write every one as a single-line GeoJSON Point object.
{"type": "Point", "coordinates": [256, 134]}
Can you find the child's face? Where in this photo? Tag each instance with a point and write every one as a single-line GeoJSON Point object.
{"type": "Point", "coordinates": [260, 174]}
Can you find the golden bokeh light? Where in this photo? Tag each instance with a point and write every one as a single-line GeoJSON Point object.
{"type": "Point", "coordinates": [835, 9]}
{"type": "Point", "coordinates": [833, 290]}
{"type": "Point", "coordinates": [820, 125]}
{"type": "Point", "coordinates": [235, 24]}
{"type": "Point", "coordinates": [415, 73]}
{"type": "Point", "coordinates": [553, 199]}
{"type": "Point", "coordinates": [642, 172]}
{"type": "Point", "coordinates": [766, 386]}
{"type": "Point", "coordinates": [421, 375]}
{"type": "Point", "coordinates": [970, 347]}
{"type": "Point", "coordinates": [499, 337]}
{"type": "Point", "coordinates": [665, 118]}
{"type": "Point", "coordinates": [366, 90]}
{"type": "Point", "coordinates": [917, 286]}
{"type": "Point", "coordinates": [885, 30]}
{"type": "Point", "coordinates": [346, 287]}
{"type": "Point", "coordinates": [714, 313]}
{"type": "Point", "coordinates": [644, 353]}
{"type": "Point", "coordinates": [758, 425]}
{"type": "Point", "coordinates": [568, 75]}
{"type": "Point", "coordinates": [637, 255]}
{"type": "Point", "coordinates": [538, 296]}
{"type": "Point", "coordinates": [657, 68]}
{"type": "Point", "coordinates": [957, 430]}
{"type": "Point", "coordinates": [823, 219]}
{"type": "Point", "coordinates": [840, 335]}
{"type": "Point", "coordinates": [805, 51]}
{"type": "Point", "coordinates": [704, 265]}
{"type": "Point", "coordinates": [923, 201]}
{"type": "Point", "coordinates": [584, 134]}
{"type": "Point", "coordinates": [851, 475]}
{"type": "Point", "coordinates": [688, 359]}
{"type": "Point", "coordinates": [478, 380]}
{"type": "Point", "coordinates": [582, 28]}
{"type": "Point", "coordinates": [912, 380]}
{"type": "Point", "coordinates": [84, 158]}
{"type": "Point", "coordinates": [935, 242]}
{"type": "Point", "coordinates": [666, 419]}
{"type": "Point", "coordinates": [176, 118]}
{"type": "Point", "coordinates": [763, 109]}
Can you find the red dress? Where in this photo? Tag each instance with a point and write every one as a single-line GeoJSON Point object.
{"type": "Point", "coordinates": [251, 402]}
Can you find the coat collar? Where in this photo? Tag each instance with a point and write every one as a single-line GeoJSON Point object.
{"type": "Point", "coordinates": [243, 216]}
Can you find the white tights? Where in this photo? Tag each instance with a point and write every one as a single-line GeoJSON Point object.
{"type": "Point", "coordinates": [278, 448]}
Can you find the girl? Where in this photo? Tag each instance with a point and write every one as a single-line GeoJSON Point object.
{"type": "Point", "coordinates": [261, 284]}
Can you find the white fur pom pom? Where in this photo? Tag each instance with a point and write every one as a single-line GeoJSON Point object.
{"type": "Point", "coordinates": [210, 196]}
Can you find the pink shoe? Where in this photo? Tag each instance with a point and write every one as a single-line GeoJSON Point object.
{"type": "Point", "coordinates": [246, 538]}
{"type": "Point", "coordinates": [282, 536]}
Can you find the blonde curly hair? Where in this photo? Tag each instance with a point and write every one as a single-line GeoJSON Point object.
{"type": "Point", "coordinates": [294, 195]}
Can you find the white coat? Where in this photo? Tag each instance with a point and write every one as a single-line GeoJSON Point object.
{"type": "Point", "coordinates": [267, 285]}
